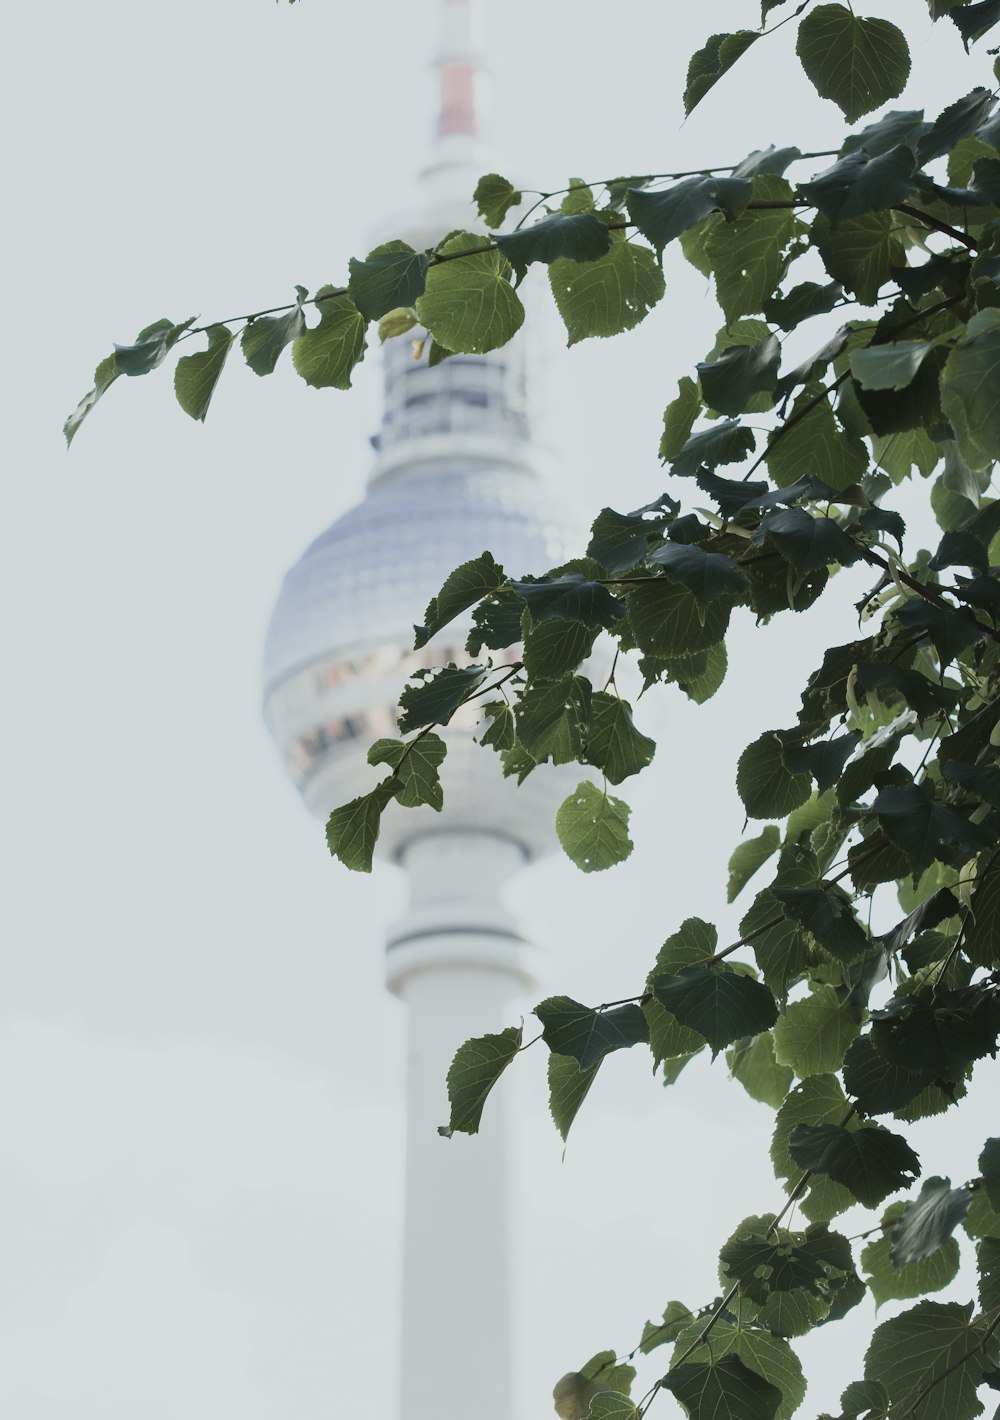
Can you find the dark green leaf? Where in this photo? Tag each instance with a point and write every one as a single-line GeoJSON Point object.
{"type": "Point", "coordinates": [593, 828]}
{"type": "Point", "coordinates": [352, 830]}
{"type": "Point", "coordinates": [878, 1084]}
{"type": "Point", "coordinates": [568, 1088]}
{"type": "Point", "coordinates": [889, 367]}
{"type": "Point", "coordinates": [389, 277]}
{"type": "Point", "coordinates": [619, 540]}
{"type": "Point", "coordinates": [726, 442]}
{"type": "Point", "coordinates": [859, 184]}
{"type": "Point", "coordinates": [477, 1066]}
{"type": "Point", "coordinates": [264, 339]}
{"type": "Point", "coordinates": [462, 588]}
{"type": "Point", "coordinates": [767, 1355]}
{"type": "Point", "coordinates": [959, 120]}
{"type": "Point", "coordinates": [942, 1033]}
{"type": "Point", "coordinates": [730, 383]}
{"type": "Point", "coordinates": [861, 253]}
{"type": "Point", "coordinates": [707, 66]}
{"type": "Point", "coordinates": [974, 21]}
{"type": "Point", "coordinates": [824, 761]}
{"type": "Point", "coordinates": [925, 829]}
{"type": "Point", "coordinates": [925, 697]}
{"type": "Point", "coordinates": [927, 1223]}
{"type": "Point", "coordinates": [661, 217]}
{"type": "Point", "coordinates": [707, 575]}
{"type": "Point", "coordinates": [468, 302]}
{"type": "Point", "coordinates": [606, 297]}
{"type": "Point", "coordinates": [151, 347]}
{"type": "Point", "coordinates": [494, 197]}
{"type": "Point", "coordinates": [801, 303]}
{"type": "Point", "coordinates": [718, 1003]}
{"type": "Point", "coordinates": [858, 63]}
{"type": "Point", "coordinates": [438, 696]}
{"type": "Point", "coordinates": [496, 622]}
{"type": "Point", "coordinates": [500, 734]}
{"type": "Point", "coordinates": [870, 1162]}
{"type": "Point", "coordinates": [586, 1035]}
{"type": "Point", "coordinates": [809, 543]}
{"type": "Point", "coordinates": [764, 783]}
{"type": "Point", "coordinates": [417, 768]}
{"type": "Point", "coordinates": [989, 1167]}
{"type": "Point", "coordinates": [728, 1390]}
{"type": "Point", "coordinates": [326, 355]}
{"type": "Point", "coordinates": [196, 376]}
{"type": "Point", "coordinates": [615, 746]}
{"type": "Point", "coordinates": [579, 236]}
{"type": "Point", "coordinates": [572, 597]}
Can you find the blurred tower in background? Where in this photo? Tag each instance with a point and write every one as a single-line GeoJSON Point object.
{"type": "Point", "coordinates": [455, 472]}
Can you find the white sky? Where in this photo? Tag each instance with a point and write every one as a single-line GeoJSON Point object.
{"type": "Point", "coordinates": [200, 1071]}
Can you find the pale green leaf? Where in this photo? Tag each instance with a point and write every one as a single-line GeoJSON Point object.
{"type": "Point", "coordinates": [326, 355]}
{"type": "Point", "coordinates": [468, 303]}
{"type": "Point", "coordinates": [593, 828]}
{"type": "Point", "coordinates": [475, 1069]}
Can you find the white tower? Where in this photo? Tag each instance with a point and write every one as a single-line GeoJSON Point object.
{"type": "Point", "coordinates": [456, 472]}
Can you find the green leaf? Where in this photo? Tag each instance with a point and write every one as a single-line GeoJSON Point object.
{"type": "Point", "coordinates": [619, 540]}
{"type": "Point", "coordinates": [974, 21]}
{"type": "Point", "coordinates": [586, 1035]}
{"type": "Point", "coordinates": [477, 1066]}
{"type": "Point", "coordinates": [593, 828]}
{"type": "Point", "coordinates": [196, 376]}
{"type": "Point", "coordinates": [988, 1256]}
{"type": "Point", "coordinates": [860, 254]}
{"type": "Point", "coordinates": [858, 63]}
{"type": "Point", "coordinates": [678, 421]}
{"type": "Point", "coordinates": [766, 787]}
{"type": "Point", "coordinates": [748, 256]}
{"type": "Point", "coordinates": [573, 1393]}
{"type": "Point", "coordinates": [468, 302]}
{"type": "Point", "coordinates": [982, 1221]}
{"type": "Point", "coordinates": [989, 1167]}
{"type": "Point", "coordinates": [726, 442]}
{"type": "Point", "coordinates": [728, 1390]}
{"type": "Point", "coordinates": [860, 183]}
{"type": "Point", "coordinates": [389, 277]}
{"type": "Point", "coordinates": [922, 828]}
{"type": "Point", "coordinates": [750, 856]}
{"type": "Point", "coordinates": [659, 1333]}
{"type": "Point", "coordinates": [568, 1088]}
{"type": "Point", "coordinates": [815, 446]}
{"type": "Point", "coordinates": [606, 297]}
{"type": "Point", "coordinates": [767, 1356]}
{"type": "Point", "coordinates": [730, 383]}
{"type": "Point", "coordinates": [555, 647]}
{"type": "Point", "coordinates": [615, 746]}
{"type": "Point", "coordinates": [968, 389]}
{"type": "Point", "coordinates": [707, 66]}
{"type": "Point", "coordinates": [326, 355]}
{"type": "Point", "coordinates": [824, 761]}
{"type": "Point", "coordinates": [264, 338]}
{"type": "Point", "coordinates": [462, 588]}
{"type": "Point", "coordinates": [577, 236]}
{"type": "Point", "coordinates": [611, 1406]}
{"type": "Point", "coordinates": [752, 1062]}
{"type": "Point", "coordinates": [827, 912]}
{"type": "Point", "coordinates": [926, 1224]}
{"type": "Point", "coordinates": [500, 733]}
{"type": "Point", "coordinates": [878, 1084]}
{"type": "Point", "coordinates": [438, 695]}
{"type": "Point", "coordinates": [932, 1352]}
{"type": "Point", "coordinates": [494, 197]}
{"type": "Point", "coordinates": [104, 377]}
{"type": "Point", "coordinates": [663, 216]}
{"type": "Point", "coordinates": [707, 575]}
{"type": "Point", "coordinates": [870, 1162]}
{"type": "Point", "coordinates": [667, 620]}
{"type": "Point", "coordinates": [813, 1034]}
{"type": "Point", "coordinates": [890, 1282]}
{"type": "Point", "coordinates": [941, 1031]}
{"type": "Point", "coordinates": [398, 322]}
{"type": "Point", "coordinates": [717, 1002]}
{"type": "Point", "coordinates": [889, 367]}
{"type": "Point", "coordinates": [352, 830]}
{"type": "Point", "coordinates": [554, 719]}
{"type": "Point", "coordinates": [416, 765]}
{"type": "Point", "coordinates": [802, 302]}
{"type": "Point", "coordinates": [572, 597]}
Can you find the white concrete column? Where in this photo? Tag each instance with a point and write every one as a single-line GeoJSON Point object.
{"type": "Point", "coordinates": [458, 961]}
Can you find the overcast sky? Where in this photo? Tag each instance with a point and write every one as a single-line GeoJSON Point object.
{"type": "Point", "coordinates": [200, 1070]}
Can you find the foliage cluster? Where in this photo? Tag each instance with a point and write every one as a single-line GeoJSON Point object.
{"type": "Point", "coordinates": [885, 781]}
